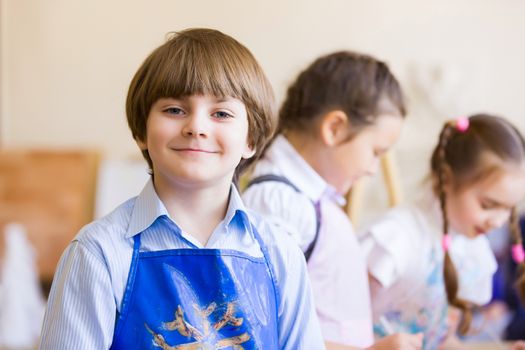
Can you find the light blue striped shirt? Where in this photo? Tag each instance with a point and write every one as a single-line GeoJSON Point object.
{"type": "Point", "coordinates": [92, 274]}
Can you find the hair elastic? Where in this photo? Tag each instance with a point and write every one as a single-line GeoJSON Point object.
{"type": "Point", "coordinates": [518, 255]}
{"type": "Point", "coordinates": [445, 242]}
{"type": "Point", "coordinates": [462, 124]}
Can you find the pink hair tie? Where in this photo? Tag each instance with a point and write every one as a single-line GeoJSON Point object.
{"type": "Point", "coordinates": [462, 124]}
{"type": "Point", "coordinates": [518, 255]}
{"type": "Point", "coordinates": [445, 242]}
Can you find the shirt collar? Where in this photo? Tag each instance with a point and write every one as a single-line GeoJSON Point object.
{"type": "Point", "coordinates": [296, 169]}
{"type": "Point", "coordinates": [236, 208]}
{"type": "Point", "coordinates": [148, 207]}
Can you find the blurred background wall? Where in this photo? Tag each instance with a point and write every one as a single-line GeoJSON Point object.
{"type": "Point", "coordinates": [66, 65]}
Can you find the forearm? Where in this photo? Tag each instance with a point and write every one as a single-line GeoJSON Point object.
{"type": "Point", "coordinates": [334, 346]}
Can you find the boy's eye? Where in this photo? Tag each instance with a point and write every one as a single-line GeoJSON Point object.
{"type": "Point", "coordinates": [174, 110]}
{"type": "Point", "coordinates": [222, 115]}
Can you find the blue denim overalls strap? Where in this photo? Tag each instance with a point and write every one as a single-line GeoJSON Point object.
{"type": "Point", "coordinates": [198, 299]}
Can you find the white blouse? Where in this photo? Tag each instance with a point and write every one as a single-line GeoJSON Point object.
{"type": "Point", "coordinates": [405, 259]}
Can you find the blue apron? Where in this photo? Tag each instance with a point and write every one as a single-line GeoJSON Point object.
{"type": "Point", "coordinates": [198, 299]}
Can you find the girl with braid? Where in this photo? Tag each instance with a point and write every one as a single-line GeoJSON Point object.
{"type": "Point", "coordinates": [423, 258]}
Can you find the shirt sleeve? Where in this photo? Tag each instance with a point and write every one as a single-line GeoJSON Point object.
{"type": "Point", "coordinates": [387, 246]}
{"type": "Point", "coordinates": [298, 323]}
{"type": "Point", "coordinates": [284, 208]}
{"type": "Point", "coordinates": [81, 308]}
{"type": "Point", "coordinates": [476, 265]}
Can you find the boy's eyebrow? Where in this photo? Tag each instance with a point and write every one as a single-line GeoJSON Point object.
{"type": "Point", "coordinates": [169, 99]}
{"type": "Point", "coordinates": [223, 99]}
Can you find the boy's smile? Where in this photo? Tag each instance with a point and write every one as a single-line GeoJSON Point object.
{"type": "Point", "coordinates": [194, 150]}
{"type": "Point", "coordinates": [196, 139]}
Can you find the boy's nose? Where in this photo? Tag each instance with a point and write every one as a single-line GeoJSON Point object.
{"type": "Point", "coordinates": [195, 126]}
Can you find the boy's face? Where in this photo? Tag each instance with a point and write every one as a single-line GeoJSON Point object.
{"type": "Point", "coordinates": [360, 156]}
{"type": "Point", "coordinates": [196, 140]}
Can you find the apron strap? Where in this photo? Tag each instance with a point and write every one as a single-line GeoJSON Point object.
{"type": "Point", "coordinates": [271, 271]}
{"type": "Point", "coordinates": [131, 281]}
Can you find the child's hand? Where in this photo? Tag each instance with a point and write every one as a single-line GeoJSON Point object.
{"type": "Point", "coordinates": [519, 345]}
{"type": "Point", "coordinates": [399, 341]}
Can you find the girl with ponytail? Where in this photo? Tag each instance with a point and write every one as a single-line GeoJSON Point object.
{"type": "Point", "coordinates": [427, 257]}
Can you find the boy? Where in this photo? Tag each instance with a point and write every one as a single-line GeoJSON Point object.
{"type": "Point", "coordinates": [184, 265]}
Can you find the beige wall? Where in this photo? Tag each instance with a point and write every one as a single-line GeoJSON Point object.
{"type": "Point", "coordinates": [66, 65]}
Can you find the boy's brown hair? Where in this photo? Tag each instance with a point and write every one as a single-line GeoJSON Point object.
{"type": "Point", "coordinates": [357, 84]}
{"type": "Point", "coordinates": [203, 61]}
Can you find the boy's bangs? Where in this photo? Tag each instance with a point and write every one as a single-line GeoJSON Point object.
{"type": "Point", "coordinates": [202, 73]}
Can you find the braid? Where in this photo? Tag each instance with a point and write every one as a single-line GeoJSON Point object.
{"type": "Point", "coordinates": [515, 233]}
{"type": "Point", "coordinates": [443, 140]}
{"type": "Point", "coordinates": [449, 271]}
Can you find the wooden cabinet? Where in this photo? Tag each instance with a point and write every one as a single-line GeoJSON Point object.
{"type": "Point", "coordinates": [51, 193]}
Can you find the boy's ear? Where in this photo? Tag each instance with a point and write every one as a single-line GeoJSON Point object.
{"type": "Point", "coordinates": [334, 127]}
{"type": "Point", "coordinates": [249, 152]}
